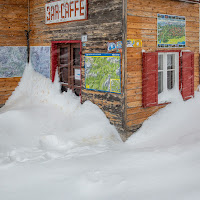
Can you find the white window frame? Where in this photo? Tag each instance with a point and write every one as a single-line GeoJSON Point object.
{"type": "Point", "coordinates": [167, 94]}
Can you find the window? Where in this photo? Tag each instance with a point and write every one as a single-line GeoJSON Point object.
{"type": "Point", "coordinates": [161, 79]}
{"type": "Point", "coordinates": [168, 76]}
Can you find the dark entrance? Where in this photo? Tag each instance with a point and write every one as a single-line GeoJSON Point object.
{"type": "Point", "coordinates": [68, 60]}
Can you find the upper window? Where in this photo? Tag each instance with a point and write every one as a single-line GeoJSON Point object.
{"type": "Point", "coordinates": [168, 76]}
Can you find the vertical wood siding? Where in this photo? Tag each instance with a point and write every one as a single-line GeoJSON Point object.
{"type": "Point", "coordinates": [142, 24]}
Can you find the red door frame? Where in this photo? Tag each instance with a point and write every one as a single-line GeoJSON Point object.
{"type": "Point", "coordinates": [54, 56]}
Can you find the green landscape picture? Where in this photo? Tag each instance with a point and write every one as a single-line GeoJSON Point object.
{"type": "Point", "coordinates": [103, 72]}
{"type": "Point", "coordinates": [171, 31]}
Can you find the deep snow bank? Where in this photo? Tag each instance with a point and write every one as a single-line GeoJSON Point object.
{"type": "Point", "coordinates": [176, 125]}
{"type": "Point", "coordinates": [38, 117]}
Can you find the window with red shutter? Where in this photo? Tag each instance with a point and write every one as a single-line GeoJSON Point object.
{"type": "Point", "coordinates": [150, 79]}
{"type": "Point", "coordinates": [163, 78]}
{"type": "Point", "coordinates": [187, 75]}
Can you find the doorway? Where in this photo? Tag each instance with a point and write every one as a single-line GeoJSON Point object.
{"type": "Point", "coordinates": [68, 62]}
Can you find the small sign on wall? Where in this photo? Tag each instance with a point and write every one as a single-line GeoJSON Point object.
{"type": "Point", "coordinates": [65, 11]}
{"type": "Point", "coordinates": [84, 38]}
{"type": "Point", "coordinates": [77, 74]}
{"type": "Point", "coordinates": [114, 47]}
{"type": "Point", "coordinates": [134, 43]}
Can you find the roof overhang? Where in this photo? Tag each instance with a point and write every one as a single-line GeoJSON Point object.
{"type": "Point", "coordinates": [190, 1]}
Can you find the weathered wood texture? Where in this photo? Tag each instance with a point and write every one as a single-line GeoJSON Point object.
{"type": "Point", "coordinates": [104, 24]}
{"type": "Point", "coordinates": [7, 86]}
{"type": "Point", "coordinates": [142, 24]}
{"type": "Point", "coordinates": [14, 22]}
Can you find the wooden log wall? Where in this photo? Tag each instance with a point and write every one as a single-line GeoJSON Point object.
{"type": "Point", "coordinates": [104, 24]}
{"type": "Point", "coordinates": [14, 22]}
{"type": "Point", "coordinates": [142, 24]}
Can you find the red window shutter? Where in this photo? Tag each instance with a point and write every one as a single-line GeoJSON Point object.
{"type": "Point", "coordinates": [54, 60]}
{"type": "Point", "coordinates": [187, 75]}
{"type": "Point", "coordinates": [150, 79]}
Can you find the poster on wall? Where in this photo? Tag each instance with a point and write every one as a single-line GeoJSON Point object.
{"type": "Point", "coordinates": [171, 31]}
{"type": "Point", "coordinates": [114, 47]}
{"type": "Point", "coordinates": [103, 72]}
{"type": "Point", "coordinates": [12, 61]}
{"type": "Point", "coordinates": [40, 59]}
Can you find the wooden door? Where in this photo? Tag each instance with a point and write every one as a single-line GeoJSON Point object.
{"type": "Point", "coordinates": [69, 67]}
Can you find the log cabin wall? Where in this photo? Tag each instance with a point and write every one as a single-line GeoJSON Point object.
{"type": "Point", "coordinates": [14, 22]}
{"type": "Point", "coordinates": [104, 24]}
{"type": "Point", "coordinates": [142, 24]}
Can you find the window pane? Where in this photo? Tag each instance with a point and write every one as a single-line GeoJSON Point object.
{"type": "Point", "coordinates": [160, 82]}
{"type": "Point", "coordinates": [170, 79]}
{"type": "Point", "coordinates": [160, 62]}
{"type": "Point", "coordinates": [63, 56]}
{"type": "Point", "coordinates": [64, 74]}
{"type": "Point", "coordinates": [170, 61]}
{"type": "Point", "coordinates": [76, 56]}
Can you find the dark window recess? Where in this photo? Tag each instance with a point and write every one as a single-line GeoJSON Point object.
{"type": "Point", "coordinates": [170, 71]}
{"type": "Point", "coordinates": [63, 56]}
{"type": "Point", "coordinates": [76, 56]}
{"type": "Point", "coordinates": [160, 82]}
{"type": "Point", "coordinates": [170, 79]}
{"type": "Point", "coordinates": [64, 75]}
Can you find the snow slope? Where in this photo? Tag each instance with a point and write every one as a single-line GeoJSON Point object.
{"type": "Point", "coordinates": [39, 117]}
{"type": "Point", "coordinates": [52, 147]}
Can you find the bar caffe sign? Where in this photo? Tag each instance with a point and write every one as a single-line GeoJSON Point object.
{"type": "Point", "coordinates": [65, 11]}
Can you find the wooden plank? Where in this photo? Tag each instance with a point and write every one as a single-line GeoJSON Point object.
{"type": "Point", "coordinates": [132, 86]}
{"type": "Point", "coordinates": [14, 22]}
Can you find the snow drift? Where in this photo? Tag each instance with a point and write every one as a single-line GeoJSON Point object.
{"type": "Point", "coordinates": [39, 117]}
{"type": "Point", "coordinates": [176, 125]}
{"type": "Point", "coordinates": [39, 124]}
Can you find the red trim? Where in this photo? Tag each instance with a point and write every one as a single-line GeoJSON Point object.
{"type": "Point", "coordinates": [81, 68]}
{"type": "Point", "coordinates": [65, 41]}
{"type": "Point", "coordinates": [187, 75]}
{"type": "Point", "coordinates": [54, 61]}
{"type": "Point", "coordinates": [169, 51]}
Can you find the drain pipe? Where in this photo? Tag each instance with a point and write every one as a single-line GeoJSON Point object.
{"type": "Point", "coordinates": [27, 32]}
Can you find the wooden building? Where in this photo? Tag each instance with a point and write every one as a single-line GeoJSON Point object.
{"type": "Point", "coordinates": [157, 41]}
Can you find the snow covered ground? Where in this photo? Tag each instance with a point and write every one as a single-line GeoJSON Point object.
{"type": "Point", "coordinates": [52, 147]}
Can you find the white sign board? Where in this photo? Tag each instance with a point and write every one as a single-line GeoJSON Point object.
{"type": "Point", "coordinates": [77, 74]}
{"type": "Point", "coordinates": [65, 11]}
{"type": "Point", "coordinates": [84, 38]}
